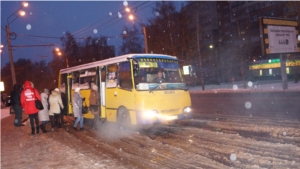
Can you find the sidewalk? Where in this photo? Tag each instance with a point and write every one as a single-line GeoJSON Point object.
{"type": "Point", "coordinates": [251, 86]}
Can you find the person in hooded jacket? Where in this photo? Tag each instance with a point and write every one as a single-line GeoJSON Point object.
{"type": "Point", "coordinates": [16, 105]}
{"type": "Point", "coordinates": [44, 114]}
{"type": "Point", "coordinates": [55, 106]}
{"type": "Point", "coordinates": [94, 105]}
{"type": "Point", "coordinates": [77, 109]}
{"type": "Point", "coordinates": [28, 96]}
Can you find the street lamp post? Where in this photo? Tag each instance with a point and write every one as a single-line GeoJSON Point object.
{"type": "Point", "coordinates": [12, 67]}
{"type": "Point", "coordinates": [131, 17]}
{"type": "Point", "coordinates": [58, 52]}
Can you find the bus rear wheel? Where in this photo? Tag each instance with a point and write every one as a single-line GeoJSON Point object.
{"type": "Point", "coordinates": [123, 118]}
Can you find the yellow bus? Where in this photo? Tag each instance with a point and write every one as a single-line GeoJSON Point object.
{"type": "Point", "coordinates": [130, 89]}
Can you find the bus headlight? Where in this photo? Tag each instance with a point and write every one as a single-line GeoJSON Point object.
{"type": "Point", "coordinates": [187, 110]}
{"type": "Point", "coordinates": [150, 114]}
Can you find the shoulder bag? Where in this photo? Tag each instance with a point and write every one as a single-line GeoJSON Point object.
{"type": "Point", "coordinates": [85, 108]}
{"type": "Point", "coordinates": [38, 103]}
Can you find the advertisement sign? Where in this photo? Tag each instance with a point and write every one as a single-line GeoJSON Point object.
{"type": "Point", "coordinates": [282, 39]}
{"type": "Point", "coordinates": [186, 70]}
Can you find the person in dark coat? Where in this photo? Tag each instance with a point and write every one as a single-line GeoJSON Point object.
{"type": "Point", "coordinates": [16, 105]}
{"type": "Point", "coordinates": [64, 111]}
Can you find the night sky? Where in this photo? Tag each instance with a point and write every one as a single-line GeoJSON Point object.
{"type": "Point", "coordinates": [49, 20]}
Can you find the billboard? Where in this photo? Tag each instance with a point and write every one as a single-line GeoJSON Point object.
{"type": "Point", "coordinates": [282, 39]}
{"type": "Point", "coordinates": [279, 36]}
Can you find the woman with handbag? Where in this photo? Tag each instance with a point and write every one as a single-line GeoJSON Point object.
{"type": "Point", "coordinates": [44, 114]}
{"type": "Point", "coordinates": [28, 98]}
{"type": "Point", "coordinates": [55, 103]}
{"type": "Point", "coordinates": [77, 109]}
{"type": "Point", "coordinates": [94, 105]}
{"type": "Point", "coordinates": [55, 106]}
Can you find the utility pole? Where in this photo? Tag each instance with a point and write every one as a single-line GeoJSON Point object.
{"type": "Point", "coordinates": [283, 71]}
{"type": "Point", "coordinates": [145, 39]}
{"type": "Point", "coordinates": [199, 53]}
{"type": "Point", "coordinates": [12, 66]}
{"type": "Point", "coordinates": [242, 61]}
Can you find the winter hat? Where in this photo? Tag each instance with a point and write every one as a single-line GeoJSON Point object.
{"type": "Point", "coordinates": [77, 89]}
{"type": "Point", "coordinates": [56, 89]}
{"type": "Point", "coordinates": [95, 87]}
{"type": "Point", "coordinates": [46, 91]}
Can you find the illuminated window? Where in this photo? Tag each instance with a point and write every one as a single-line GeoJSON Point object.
{"type": "Point", "coordinates": [260, 72]}
{"type": "Point", "coordinates": [288, 70]}
{"type": "Point", "coordinates": [270, 71]}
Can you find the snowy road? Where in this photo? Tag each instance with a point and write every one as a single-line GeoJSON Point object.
{"type": "Point", "coordinates": [224, 133]}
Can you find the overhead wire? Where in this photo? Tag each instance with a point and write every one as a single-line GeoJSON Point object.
{"type": "Point", "coordinates": [97, 23]}
{"type": "Point", "coordinates": [112, 19]}
{"type": "Point", "coordinates": [122, 18]}
{"type": "Point", "coordinates": [85, 29]}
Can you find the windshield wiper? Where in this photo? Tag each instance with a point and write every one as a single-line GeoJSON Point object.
{"type": "Point", "coordinates": [155, 87]}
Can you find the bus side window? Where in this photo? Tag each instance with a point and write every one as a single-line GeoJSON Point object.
{"type": "Point", "coordinates": [125, 80]}
{"type": "Point", "coordinates": [111, 77]}
{"type": "Point", "coordinates": [63, 80]}
{"type": "Point", "coordinates": [75, 80]}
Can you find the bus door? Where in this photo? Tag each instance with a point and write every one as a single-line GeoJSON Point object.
{"type": "Point", "coordinates": [69, 93]}
{"type": "Point", "coordinates": [119, 91]}
{"type": "Point", "coordinates": [102, 77]}
{"type": "Point", "coordinates": [111, 92]}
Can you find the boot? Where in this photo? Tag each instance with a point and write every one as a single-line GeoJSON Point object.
{"type": "Point", "coordinates": [32, 131]}
{"type": "Point", "coordinates": [44, 128]}
{"type": "Point", "coordinates": [37, 130]}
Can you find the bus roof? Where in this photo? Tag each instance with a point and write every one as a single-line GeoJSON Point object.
{"type": "Point", "coordinates": [117, 59]}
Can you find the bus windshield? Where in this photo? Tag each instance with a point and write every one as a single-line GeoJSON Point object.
{"type": "Point", "coordinates": [159, 74]}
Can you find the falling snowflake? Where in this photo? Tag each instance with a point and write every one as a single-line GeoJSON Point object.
{"type": "Point", "coordinates": [248, 105]}
{"type": "Point", "coordinates": [119, 15]}
{"type": "Point", "coordinates": [28, 26]}
{"type": "Point", "coordinates": [235, 87]}
{"type": "Point", "coordinates": [95, 31]}
{"type": "Point", "coordinates": [125, 3]}
{"type": "Point", "coordinates": [124, 32]}
{"type": "Point", "coordinates": [110, 13]}
{"type": "Point", "coordinates": [232, 157]}
{"type": "Point", "coordinates": [250, 84]}
{"type": "Point", "coordinates": [157, 13]}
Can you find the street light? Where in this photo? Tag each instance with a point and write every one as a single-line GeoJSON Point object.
{"type": "Point", "coordinates": [59, 53]}
{"type": "Point", "coordinates": [216, 60]}
{"type": "Point", "coordinates": [1, 46]}
{"type": "Point", "coordinates": [21, 13]}
{"type": "Point", "coordinates": [131, 17]}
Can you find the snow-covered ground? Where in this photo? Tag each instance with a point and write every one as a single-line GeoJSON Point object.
{"type": "Point", "coordinates": [222, 134]}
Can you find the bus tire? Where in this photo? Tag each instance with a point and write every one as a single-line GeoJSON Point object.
{"type": "Point", "coordinates": [123, 118]}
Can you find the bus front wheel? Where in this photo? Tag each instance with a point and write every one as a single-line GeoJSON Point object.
{"type": "Point", "coordinates": [123, 118]}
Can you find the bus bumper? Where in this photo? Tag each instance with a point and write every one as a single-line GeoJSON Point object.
{"type": "Point", "coordinates": [141, 119]}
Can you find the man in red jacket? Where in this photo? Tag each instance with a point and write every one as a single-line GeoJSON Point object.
{"type": "Point", "coordinates": [28, 96]}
